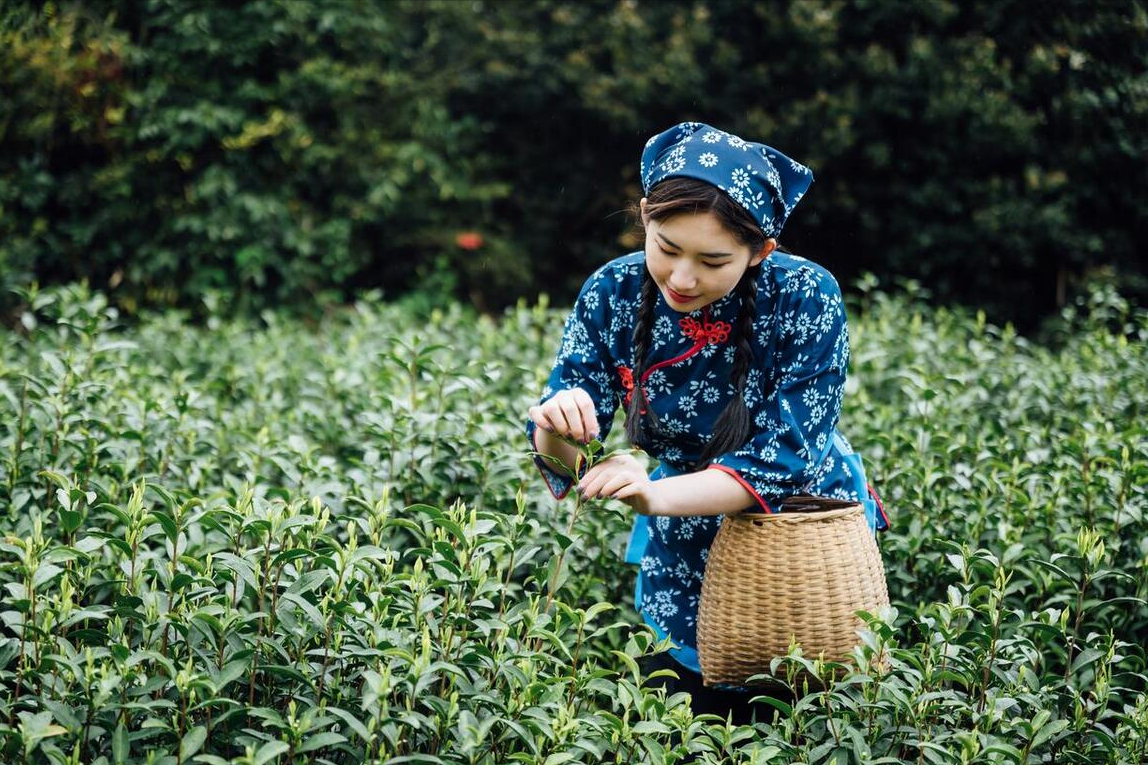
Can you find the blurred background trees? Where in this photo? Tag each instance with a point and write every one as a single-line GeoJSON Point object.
{"type": "Point", "coordinates": [277, 152]}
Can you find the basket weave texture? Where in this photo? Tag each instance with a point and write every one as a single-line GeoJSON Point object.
{"type": "Point", "coordinates": [800, 574]}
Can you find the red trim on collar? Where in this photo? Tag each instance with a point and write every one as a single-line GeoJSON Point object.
{"type": "Point", "coordinates": [702, 333]}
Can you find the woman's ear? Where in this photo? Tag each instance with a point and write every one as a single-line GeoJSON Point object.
{"type": "Point", "coordinates": [644, 215]}
{"type": "Point", "coordinates": [769, 246]}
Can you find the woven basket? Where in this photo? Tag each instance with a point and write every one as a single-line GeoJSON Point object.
{"type": "Point", "coordinates": [797, 574]}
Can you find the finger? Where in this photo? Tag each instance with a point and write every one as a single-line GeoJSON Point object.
{"type": "Point", "coordinates": [616, 484]}
{"type": "Point", "coordinates": [635, 496]}
{"type": "Point", "coordinates": [612, 465]}
{"type": "Point", "coordinates": [573, 415]}
{"type": "Point", "coordinates": [596, 471]}
{"type": "Point", "coordinates": [588, 412]}
{"type": "Point", "coordinates": [632, 489]}
{"type": "Point", "coordinates": [597, 477]}
{"type": "Point", "coordinates": [553, 411]}
{"type": "Point", "coordinates": [538, 416]}
{"type": "Point", "coordinates": [591, 484]}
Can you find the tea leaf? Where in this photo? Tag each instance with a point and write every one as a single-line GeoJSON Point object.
{"type": "Point", "coordinates": [192, 742]}
{"type": "Point", "coordinates": [120, 746]}
{"type": "Point", "coordinates": [269, 752]}
{"type": "Point", "coordinates": [320, 740]}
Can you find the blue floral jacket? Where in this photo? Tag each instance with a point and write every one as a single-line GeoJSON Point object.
{"type": "Point", "coordinates": [793, 391]}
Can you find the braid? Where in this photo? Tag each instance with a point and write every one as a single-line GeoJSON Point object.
{"type": "Point", "coordinates": [733, 425]}
{"type": "Point", "coordinates": [639, 426]}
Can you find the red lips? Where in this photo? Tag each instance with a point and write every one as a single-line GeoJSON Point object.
{"type": "Point", "coordinates": [679, 297]}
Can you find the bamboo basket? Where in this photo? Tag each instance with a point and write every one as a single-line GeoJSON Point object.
{"type": "Point", "coordinates": [799, 574]}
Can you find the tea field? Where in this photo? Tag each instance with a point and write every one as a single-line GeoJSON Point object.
{"type": "Point", "coordinates": [269, 541]}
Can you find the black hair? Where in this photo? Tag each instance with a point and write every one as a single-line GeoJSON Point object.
{"type": "Point", "coordinates": [675, 196]}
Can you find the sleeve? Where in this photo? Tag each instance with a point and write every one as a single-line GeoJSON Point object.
{"type": "Point", "coordinates": [795, 421]}
{"type": "Point", "coordinates": [584, 360]}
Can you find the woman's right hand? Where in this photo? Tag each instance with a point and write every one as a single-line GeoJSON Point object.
{"type": "Point", "coordinates": [568, 413]}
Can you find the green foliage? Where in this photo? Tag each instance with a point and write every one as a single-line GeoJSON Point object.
{"type": "Point", "coordinates": [280, 151]}
{"type": "Point", "coordinates": [265, 150]}
{"type": "Point", "coordinates": [263, 542]}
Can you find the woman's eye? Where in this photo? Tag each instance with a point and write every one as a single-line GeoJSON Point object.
{"type": "Point", "coordinates": [715, 265]}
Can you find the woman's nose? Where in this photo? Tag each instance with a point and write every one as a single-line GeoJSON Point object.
{"type": "Point", "coordinates": [684, 278]}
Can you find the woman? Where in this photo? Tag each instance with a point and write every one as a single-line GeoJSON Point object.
{"type": "Point", "coordinates": [729, 356]}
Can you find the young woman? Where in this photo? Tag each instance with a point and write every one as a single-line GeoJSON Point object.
{"type": "Point", "coordinates": [729, 356]}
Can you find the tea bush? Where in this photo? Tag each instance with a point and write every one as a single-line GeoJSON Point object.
{"type": "Point", "coordinates": [268, 542]}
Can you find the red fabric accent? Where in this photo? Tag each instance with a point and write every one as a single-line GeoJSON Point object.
{"type": "Point", "coordinates": [545, 478]}
{"type": "Point", "coordinates": [706, 331]}
{"type": "Point", "coordinates": [702, 333]}
{"type": "Point", "coordinates": [730, 471]}
{"type": "Point", "coordinates": [880, 504]}
{"type": "Point", "coordinates": [627, 376]}
{"type": "Point", "coordinates": [682, 357]}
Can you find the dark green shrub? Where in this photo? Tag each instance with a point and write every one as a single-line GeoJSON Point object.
{"type": "Point", "coordinates": [278, 152]}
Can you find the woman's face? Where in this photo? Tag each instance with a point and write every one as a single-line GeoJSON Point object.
{"type": "Point", "coordinates": [694, 260]}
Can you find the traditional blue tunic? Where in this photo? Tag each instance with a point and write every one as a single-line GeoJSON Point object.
{"type": "Point", "coordinates": [793, 392]}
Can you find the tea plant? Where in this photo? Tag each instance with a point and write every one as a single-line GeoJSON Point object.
{"type": "Point", "coordinates": [266, 542]}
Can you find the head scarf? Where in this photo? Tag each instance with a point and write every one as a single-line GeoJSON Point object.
{"type": "Point", "coordinates": [760, 178]}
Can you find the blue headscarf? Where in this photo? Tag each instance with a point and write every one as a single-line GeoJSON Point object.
{"type": "Point", "coordinates": [760, 178]}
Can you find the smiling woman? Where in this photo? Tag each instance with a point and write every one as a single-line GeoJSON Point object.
{"type": "Point", "coordinates": [679, 256]}
{"type": "Point", "coordinates": [728, 356]}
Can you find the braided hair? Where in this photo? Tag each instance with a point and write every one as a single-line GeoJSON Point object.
{"type": "Point", "coordinates": [675, 196]}
{"type": "Point", "coordinates": [641, 422]}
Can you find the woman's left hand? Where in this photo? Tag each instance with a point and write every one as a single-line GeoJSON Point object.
{"type": "Point", "coordinates": [622, 477]}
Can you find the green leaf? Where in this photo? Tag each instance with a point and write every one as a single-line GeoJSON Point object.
{"type": "Point", "coordinates": [212, 621]}
{"type": "Point", "coordinates": [165, 521]}
{"type": "Point", "coordinates": [291, 555]}
{"type": "Point", "coordinates": [776, 703]}
{"type": "Point", "coordinates": [290, 673]}
{"type": "Point", "coordinates": [120, 746]}
{"type": "Point", "coordinates": [70, 520]}
{"type": "Point", "coordinates": [269, 751]}
{"type": "Point", "coordinates": [1086, 657]}
{"type": "Point", "coordinates": [320, 740]}
{"type": "Point", "coordinates": [630, 663]}
{"type": "Point", "coordinates": [192, 742]}
{"type": "Point", "coordinates": [45, 574]}
{"type": "Point", "coordinates": [1048, 731]}
{"type": "Point", "coordinates": [353, 723]}
{"type": "Point", "coordinates": [56, 478]}
{"type": "Point", "coordinates": [231, 672]}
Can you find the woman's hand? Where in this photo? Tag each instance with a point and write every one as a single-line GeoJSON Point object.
{"type": "Point", "coordinates": [568, 413]}
{"type": "Point", "coordinates": [622, 477]}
